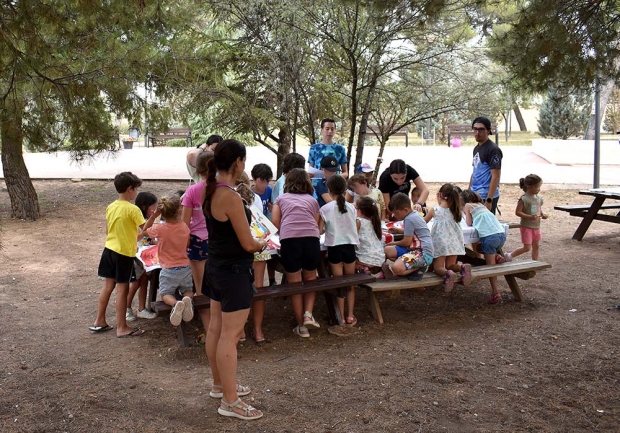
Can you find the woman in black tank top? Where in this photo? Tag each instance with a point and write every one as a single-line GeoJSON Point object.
{"type": "Point", "coordinates": [228, 275]}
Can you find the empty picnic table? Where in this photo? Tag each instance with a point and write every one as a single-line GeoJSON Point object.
{"type": "Point", "coordinates": [590, 212]}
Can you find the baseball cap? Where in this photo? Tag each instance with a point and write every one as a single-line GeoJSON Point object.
{"type": "Point", "coordinates": [364, 168]}
{"type": "Point", "coordinates": [329, 163]}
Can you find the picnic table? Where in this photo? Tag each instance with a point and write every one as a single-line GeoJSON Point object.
{"type": "Point", "coordinates": [591, 212]}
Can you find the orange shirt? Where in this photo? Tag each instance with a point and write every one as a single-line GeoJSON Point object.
{"type": "Point", "coordinates": [171, 243]}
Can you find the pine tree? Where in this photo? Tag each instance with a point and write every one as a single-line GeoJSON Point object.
{"type": "Point", "coordinates": [563, 114]}
{"type": "Point", "coordinates": [612, 113]}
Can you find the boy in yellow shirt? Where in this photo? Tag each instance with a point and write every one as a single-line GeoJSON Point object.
{"type": "Point", "coordinates": [116, 265]}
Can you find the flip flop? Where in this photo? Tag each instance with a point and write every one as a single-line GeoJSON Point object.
{"type": "Point", "coordinates": [351, 321]}
{"type": "Point", "coordinates": [100, 328]}
{"type": "Point", "coordinates": [135, 332]}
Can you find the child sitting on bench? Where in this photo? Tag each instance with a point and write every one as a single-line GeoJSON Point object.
{"type": "Point", "coordinates": [414, 253]}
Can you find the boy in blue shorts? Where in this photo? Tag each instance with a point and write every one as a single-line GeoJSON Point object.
{"type": "Point", "coordinates": [123, 220]}
{"type": "Point", "coordinates": [414, 252]}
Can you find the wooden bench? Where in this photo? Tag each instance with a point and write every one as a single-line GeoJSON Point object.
{"type": "Point", "coordinates": [402, 132]}
{"type": "Point", "coordinates": [580, 210]}
{"type": "Point", "coordinates": [325, 285]}
{"type": "Point", "coordinates": [464, 130]}
{"type": "Point", "coordinates": [170, 134]}
{"type": "Point", "coordinates": [510, 270]}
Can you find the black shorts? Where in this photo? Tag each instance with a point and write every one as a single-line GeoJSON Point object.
{"type": "Point", "coordinates": [300, 253]}
{"type": "Point", "coordinates": [341, 254]}
{"type": "Point", "coordinates": [229, 284]}
{"type": "Point", "coordinates": [116, 266]}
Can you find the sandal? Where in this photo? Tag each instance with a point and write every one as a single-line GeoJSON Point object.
{"type": "Point", "coordinates": [351, 321]}
{"type": "Point", "coordinates": [241, 391]}
{"type": "Point", "coordinates": [200, 339]}
{"type": "Point", "coordinates": [495, 299]}
{"type": "Point", "coordinates": [387, 272]}
{"type": "Point", "coordinates": [499, 259]}
{"type": "Point", "coordinates": [448, 281]}
{"type": "Point", "coordinates": [309, 321]}
{"type": "Point", "coordinates": [228, 410]}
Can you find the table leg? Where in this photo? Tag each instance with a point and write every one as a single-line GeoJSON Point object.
{"type": "Point", "coordinates": [373, 305]}
{"type": "Point", "coordinates": [331, 300]}
{"type": "Point", "coordinates": [515, 288]}
{"type": "Point", "coordinates": [588, 218]}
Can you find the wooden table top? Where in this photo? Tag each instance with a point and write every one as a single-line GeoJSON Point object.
{"type": "Point", "coordinates": [613, 193]}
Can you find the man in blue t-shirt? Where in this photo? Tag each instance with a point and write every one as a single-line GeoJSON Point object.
{"type": "Point", "coordinates": [327, 147]}
{"type": "Point", "coordinates": [487, 164]}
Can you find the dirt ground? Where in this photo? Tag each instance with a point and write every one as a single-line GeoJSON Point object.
{"type": "Point", "coordinates": [440, 363]}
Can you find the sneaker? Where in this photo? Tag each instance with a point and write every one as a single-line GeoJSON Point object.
{"type": "Point", "coordinates": [272, 283]}
{"type": "Point", "coordinates": [466, 274]}
{"type": "Point", "coordinates": [176, 314]}
{"type": "Point", "coordinates": [146, 314]}
{"type": "Point", "coordinates": [129, 315]}
{"type": "Point", "coordinates": [508, 257]}
{"type": "Point", "coordinates": [301, 331]}
{"type": "Point", "coordinates": [448, 281]}
{"type": "Point", "coordinates": [309, 321]}
{"type": "Point", "coordinates": [188, 311]}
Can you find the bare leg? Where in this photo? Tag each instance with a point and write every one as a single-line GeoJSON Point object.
{"type": "Point", "coordinates": [439, 266]}
{"type": "Point", "coordinates": [297, 301]}
{"type": "Point", "coordinates": [121, 308]}
{"type": "Point", "coordinates": [524, 249]}
{"type": "Point", "coordinates": [213, 336]}
{"type": "Point", "coordinates": [337, 271]}
{"type": "Point", "coordinates": [349, 269]}
{"type": "Point", "coordinates": [226, 352]}
{"type": "Point", "coordinates": [258, 307]}
{"type": "Point", "coordinates": [144, 283]}
{"type": "Point", "coordinates": [535, 250]}
{"type": "Point", "coordinates": [198, 272]}
{"type": "Point", "coordinates": [104, 299]}
{"type": "Point", "coordinates": [309, 298]}
{"type": "Point", "coordinates": [490, 260]}
{"type": "Point", "coordinates": [133, 288]}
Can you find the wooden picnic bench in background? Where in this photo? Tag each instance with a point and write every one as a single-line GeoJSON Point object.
{"type": "Point", "coordinates": [325, 285]}
{"type": "Point", "coordinates": [464, 130]}
{"type": "Point", "coordinates": [402, 132]}
{"type": "Point", "coordinates": [171, 134]}
{"type": "Point", "coordinates": [590, 212]}
{"type": "Point", "coordinates": [523, 270]}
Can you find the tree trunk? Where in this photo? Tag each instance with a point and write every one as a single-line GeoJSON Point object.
{"type": "Point", "coordinates": [284, 148]}
{"type": "Point", "coordinates": [24, 200]}
{"type": "Point", "coordinates": [606, 89]}
{"type": "Point", "coordinates": [519, 117]}
{"type": "Point", "coordinates": [377, 172]}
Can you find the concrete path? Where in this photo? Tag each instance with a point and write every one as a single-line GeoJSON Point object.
{"type": "Point", "coordinates": [434, 163]}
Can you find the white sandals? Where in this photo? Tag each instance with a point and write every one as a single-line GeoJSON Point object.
{"type": "Point", "coordinates": [227, 409]}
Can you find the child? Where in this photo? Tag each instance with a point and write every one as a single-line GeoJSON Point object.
{"type": "Point", "coordinates": [367, 170]}
{"type": "Point", "coordinates": [296, 214]}
{"type": "Point", "coordinates": [147, 203]}
{"type": "Point", "coordinates": [447, 237]}
{"type": "Point", "coordinates": [360, 187]}
{"type": "Point", "coordinates": [415, 251]}
{"type": "Point", "coordinates": [193, 216]}
{"type": "Point", "coordinates": [290, 161]}
{"type": "Point", "coordinates": [415, 198]}
{"type": "Point", "coordinates": [338, 221]}
{"type": "Point", "coordinates": [260, 260]}
{"type": "Point", "coordinates": [172, 239]}
{"type": "Point", "coordinates": [529, 208]}
{"type": "Point", "coordinates": [490, 232]}
{"type": "Point", "coordinates": [262, 175]}
{"type": "Point", "coordinates": [370, 254]}
{"type": "Point", "coordinates": [329, 167]}
{"type": "Point", "coordinates": [122, 222]}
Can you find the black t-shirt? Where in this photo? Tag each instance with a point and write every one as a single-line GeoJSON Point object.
{"type": "Point", "coordinates": [388, 186]}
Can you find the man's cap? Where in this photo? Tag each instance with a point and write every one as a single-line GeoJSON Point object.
{"type": "Point", "coordinates": [486, 122]}
{"type": "Point", "coordinates": [364, 168]}
{"type": "Point", "coordinates": [329, 163]}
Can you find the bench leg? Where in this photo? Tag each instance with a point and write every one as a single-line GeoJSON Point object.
{"type": "Point", "coordinates": [182, 334]}
{"type": "Point", "coordinates": [514, 287]}
{"type": "Point", "coordinates": [373, 305]}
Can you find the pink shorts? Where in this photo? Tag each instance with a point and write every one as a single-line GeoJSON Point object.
{"type": "Point", "coordinates": [529, 235]}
